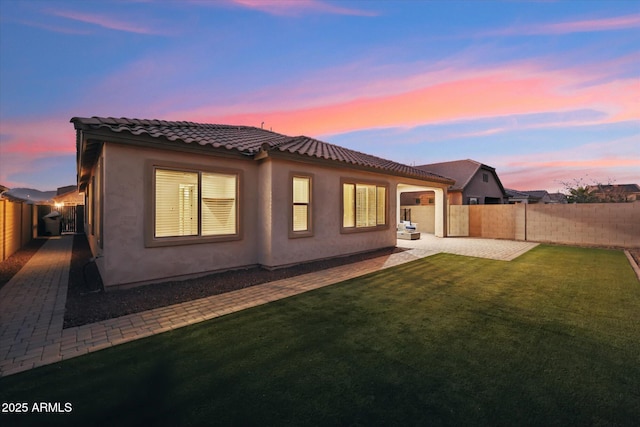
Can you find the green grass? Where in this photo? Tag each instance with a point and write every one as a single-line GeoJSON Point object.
{"type": "Point", "coordinates": [552, 338]}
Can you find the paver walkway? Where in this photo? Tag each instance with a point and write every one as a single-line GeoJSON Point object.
{"type": "Point", "coordinates": [32, 303]}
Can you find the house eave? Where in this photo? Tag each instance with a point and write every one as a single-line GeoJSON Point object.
{"type": "Point", "coordinates": [284, 155]}
{"type": "Point", "coordinates": [91, 143]}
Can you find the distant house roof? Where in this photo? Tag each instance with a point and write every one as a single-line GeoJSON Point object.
{"type": "Point", "coordinates": [558, 197]}
{"type": "Point", "coordinates": [515, 194]}
{"type": "Point", "coordinates": [69, 195]}
{"type": "Point", "coordinates": [623, 188]}
{"type": "Point", "coordinates": [66, 189]}
{"type": "Point", "coordinates": [534, 196]}
{"type": "Point", "coordinates": [537, 194]}
{"type": "Point", "coordinates": [462, 171]}
{"type": "Point", "coordinates": [244, 140]}
{"type": "Point", "coordinates": [616, 192]}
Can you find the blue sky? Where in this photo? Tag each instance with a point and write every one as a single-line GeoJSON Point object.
{"type": "Point", "coordinates": [544, 91]}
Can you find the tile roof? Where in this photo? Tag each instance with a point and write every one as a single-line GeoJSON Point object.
{"type": "Point", "coordinates": [249, 141]}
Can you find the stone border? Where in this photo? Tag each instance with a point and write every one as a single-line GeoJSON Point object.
{"type": "Point", "coordinates": [633, 263]}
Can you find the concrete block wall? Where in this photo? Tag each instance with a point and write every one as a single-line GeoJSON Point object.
{"type": "Point", "coordinates": [492, 221]}
{"type": "Point", "coordinates": [601, 224]}
{"type": "Point", "coordinates": [593, 224]}
{"type": "Point", "coordinates": [425, 216]}
{"type": "Point", "coordinates": [15, 227]}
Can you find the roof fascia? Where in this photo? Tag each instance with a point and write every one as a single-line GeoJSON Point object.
{"type": "Point", "coordinates": [276, 154]}
{"type": "Point", "coordinates": [93, 138]}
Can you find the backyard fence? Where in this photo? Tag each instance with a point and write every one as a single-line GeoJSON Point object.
{"type": "Point", "coordinates": [16, 225]}
{"type": "Point", "coordinates": [588, 224]}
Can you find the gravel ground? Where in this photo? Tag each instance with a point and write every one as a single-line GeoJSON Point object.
{"type": "Point", "coordinates": [85, 307]}
{"type": "Point", "coordinates": [10, 266]}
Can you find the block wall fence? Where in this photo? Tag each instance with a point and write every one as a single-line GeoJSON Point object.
{"type": "Point", "coordinates": [588, 224]}
{"type": "Point", "coordinates": [16, 226]}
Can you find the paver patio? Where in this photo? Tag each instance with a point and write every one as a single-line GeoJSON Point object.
{"type": "Point", "coordinates": [32, 303]}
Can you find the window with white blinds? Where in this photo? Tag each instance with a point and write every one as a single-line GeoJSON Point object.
{"type": "Point", "coordinates": [364, 205]}
{"type": "Point", "coordinates": [301, 203]}
{"type": "Point", "coordinates": [194, 203]}
{"type": "Point", "coordinates": [218, 204]}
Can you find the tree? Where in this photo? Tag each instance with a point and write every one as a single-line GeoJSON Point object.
{"type": "Point", "coordinates": [578, 191]}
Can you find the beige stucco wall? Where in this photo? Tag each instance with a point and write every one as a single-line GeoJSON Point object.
{"type": "Point", "coordinates": [126, 259]}
{"type": "Point", "coordinates": [327, 240]}
{"type": "Point", "coordinates": [265, 207]}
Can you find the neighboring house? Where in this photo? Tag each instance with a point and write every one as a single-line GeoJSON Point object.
{"type": "Point", "coordinates": [558, 198]}
{"type": "Point", "coordinates": [616, 192]}
{"type": "Point", "coordinates": [68, 196]}
{"type": "Point", "coordinates": [475, 184]}
{"type": "Point", "coordinates": [177, 199]}
{"type": "Point", "coordinates": [532, 197]}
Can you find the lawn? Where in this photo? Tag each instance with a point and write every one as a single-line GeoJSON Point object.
{"type": "Point", "coordinates": [551, 338]}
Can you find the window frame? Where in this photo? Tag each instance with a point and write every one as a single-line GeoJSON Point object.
{"type": "Point", "coordinates": [355, 228]}
{"type": "Point", "coordinates": [150, 204]}
{"type": "Point", "coordinates": [309, 231]}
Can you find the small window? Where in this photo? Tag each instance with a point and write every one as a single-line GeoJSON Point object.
{"type": "Point", "coordinates": [485, 177]}
{"type": "Point", "coordinates": [301, 209]}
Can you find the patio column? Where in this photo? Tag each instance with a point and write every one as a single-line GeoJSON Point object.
{"type": "Point", "coordinates": [441, 212]}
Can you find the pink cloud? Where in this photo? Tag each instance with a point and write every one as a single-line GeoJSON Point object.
{"type": "Point", "coordinates": [607, 24]}
{"type": "Point", "coordinates": [106, 22]}
{"type": "Point", "coordinates": [551, 177]}
{"type": "Point", "coordinates": [26, 142]}
{"type": "Point", "coordinates": [38, 137]}
{"type": "Point", "coordinates": [523, 89]}
{"type": "Point", "coordinates": [615, 160]}
{"type": "Point", "coordinates": [288, 7]}
{"type": "Point", "coordinates": [593, 25]}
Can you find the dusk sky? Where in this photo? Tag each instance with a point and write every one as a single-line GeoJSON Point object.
{"type": "Point", "coordinates": [545, 91]}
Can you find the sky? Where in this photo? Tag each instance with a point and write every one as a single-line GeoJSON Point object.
{"type": "Point", "coordinates": [546, 92]}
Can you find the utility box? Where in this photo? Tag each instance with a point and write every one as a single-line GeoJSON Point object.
{"type": "Point", "coordinates": [52, 223]}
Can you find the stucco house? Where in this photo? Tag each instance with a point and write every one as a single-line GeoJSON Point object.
{"type": "Point", "coordinates": [169, 200]}
{"type": "Point", "coordinates": [475, 184]}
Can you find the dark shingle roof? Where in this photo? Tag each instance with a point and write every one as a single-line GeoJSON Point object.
{"type": "Point", "coordinates": [250, 141]}
{"type": "Point", "coordinates": [510, 192]}
{"type": "Point", "coordinates": [462, 171]}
